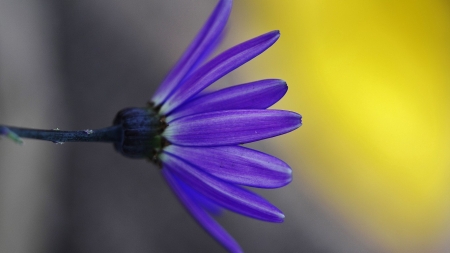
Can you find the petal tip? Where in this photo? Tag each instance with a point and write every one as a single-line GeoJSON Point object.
{"type": "Point", "coordinates": [287, 181]}
{"type": "Point", "coordinates": [280, 217]}
{"type": "Point", "coordinates": [281, 82]}
{"type": "Point", "coordinates": [275, 34]}
{"type": "Point", "coordinates": [300, 120]}
{"type": "Point", "coordinates": [288, 177]}
{"type": "Point", "coordinates": [296, 120]}
{"type": "Point", "coordinates": [289, 174]}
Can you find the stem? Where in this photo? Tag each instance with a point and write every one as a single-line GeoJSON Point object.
{"type": "Point", "coordinates": [109, 134]}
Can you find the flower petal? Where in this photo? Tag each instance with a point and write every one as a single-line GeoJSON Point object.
{"type": "Point", "coordinates": [206, 54]}
{"type": "Point", "coordinates": [230, 127]}
{"type": "Point", "coordinates": [255, 95]}
{"type": "Point", "coordinates": [218, 67]}
{"type": "Point", "coordinates": [236, 164]}
{"type": "Point", "coordinates": [225, 194]}
{"type": "Point", "coordinates": [202, 42]}
{"type": "Point", "coordinates": [202, 217]}
{"type": "Point", "coordinates": [201, 200]}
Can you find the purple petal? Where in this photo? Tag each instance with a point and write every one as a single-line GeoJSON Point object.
{"type": "Point", "coordinates": [236, 164]}
{"type": "Point", "coordinates": [254, 95]}
{"type": "Point", "coordinates": [202, 42]}
{"type": "Point", "coordinates": [201, 200]}
{"type": "Point", "coordinates": [230, 127]}
{"type": "Point", "coordinates": [206, 54]}
{"type": "Point", "coordinates": [218, 67]}
{"type": "Point", "coordinates": [202, 217]}
{"type": "Point", "coordinates": [225, 194]}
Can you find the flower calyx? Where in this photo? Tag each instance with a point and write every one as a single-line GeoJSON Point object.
{"type": "Point", "coordinates": [141, 133]}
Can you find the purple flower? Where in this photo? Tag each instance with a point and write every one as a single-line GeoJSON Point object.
{"type": "Point", "coordinates": [200, 157]}
{"type": "Point", "coordinates": [196, 138]}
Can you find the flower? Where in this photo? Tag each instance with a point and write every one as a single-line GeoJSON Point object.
{"type": "Point", "coordinates": [201, 156]}
{"type": "Point", "coordinates": [195, 138]}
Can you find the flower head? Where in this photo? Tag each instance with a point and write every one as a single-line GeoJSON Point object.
{"type": "Point", "coordinates": [200, 137]}
{"type": "Point", "coordinates": [195, 138]}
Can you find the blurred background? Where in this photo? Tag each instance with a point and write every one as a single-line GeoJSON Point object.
{"type": "Point", "coordinates": [371, 163]}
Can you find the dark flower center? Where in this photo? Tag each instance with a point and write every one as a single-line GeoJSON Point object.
{"type": "Point", "coordinates": [141, 133]}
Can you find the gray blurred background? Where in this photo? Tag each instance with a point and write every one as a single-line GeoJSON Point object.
{"type": "Point", "coordinates": [73, 65]}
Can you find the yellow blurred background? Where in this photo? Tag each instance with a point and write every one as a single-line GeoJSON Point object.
{"type": "Point", "coordinates": [371, 79]}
